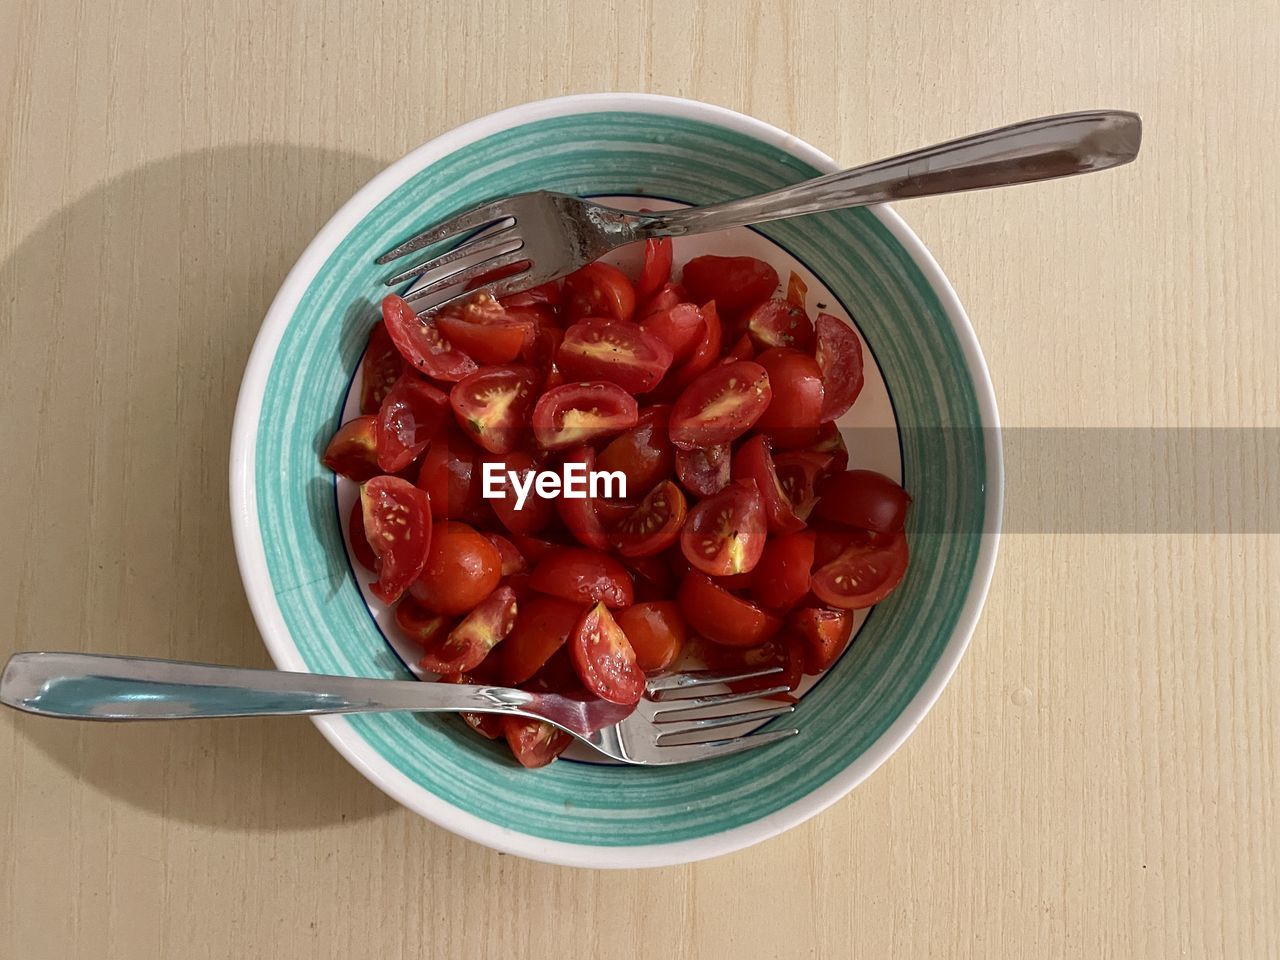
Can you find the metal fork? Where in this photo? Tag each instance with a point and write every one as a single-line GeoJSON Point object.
{"type": "Point", "coordinates": [95, 687]}
{"type": "Point", "coordinates": [535, 237]}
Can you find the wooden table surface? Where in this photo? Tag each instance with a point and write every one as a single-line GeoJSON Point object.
{"type": "Point", "coordinates": [1097, 780]}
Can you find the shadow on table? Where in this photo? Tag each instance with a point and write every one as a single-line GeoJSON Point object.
{"type": "Point", "coordinates": [160, 279]}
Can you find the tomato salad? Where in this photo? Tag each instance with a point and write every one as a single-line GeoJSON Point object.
{"type": "Point", "coordinates": [745, 539]}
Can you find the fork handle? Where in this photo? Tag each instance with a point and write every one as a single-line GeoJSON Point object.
{"type": "Point", "coordinates": [94, 687]}
{"type": "Point", "coordinates": [1043, 149]}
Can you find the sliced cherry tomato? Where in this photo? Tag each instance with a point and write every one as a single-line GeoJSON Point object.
{"type": "Point", "coordinates": [421, 344]}
{"type": "Point", "coordinates": [380, 368]}
{"type": "Point", "coordinates": [583, 576]}
{"type": "Point", "coordinates": [616, 352]}
{"type": "Point", "coordinates": [825, 633]}
{"type": "Point", "coordinates": [543, 624]}
{"type": "Point", "coordinates": [831, 441]}
{"type": "Point", "coordinates": [535, 512]}
{"type": "Point", "coordinates": [781, 578]}
{"type": "Point", "coordinates": [707, 352]}
{"type": "Point", "coordinates": [579, 513]}
{"type": "Point", "coordinates": [799, 472]}
{"type": "Point", "coordinates": [461, 569]}
{"type": "Point", "coordinates": [744, 349]}
{"type": "Point", "coordinates": [353, 451]}
{"type": "Point", "coordinates": [513, 560]}
{"type": "Point", "coordinates": [654, 578]}
{"type": "Point", "coordinates": [735, 283]}
{"type": "Point", "coordinates": [492, 405]}
{"type": "Point", "coordinates": [704, 470]}
{"type": "Point", "coordinates": [839, 357]}
{"type": "Point", "coordinates": [784, 650]}
{"type": "Point", "coordinates": [791, 419]}
{"type": "Point", "coordinates": [547, 293]}
{"type": "Point", "coordinates": [535, 743]}
{"type": "Point", "coordinates": [679, 327]}
{"type": "Point", "coordinates": [643, 454]}
{"type": "Point", "coordinates": [360, 548]}
{"type": "Point", "coordinates": [397, 523]}
{"type": "Point", "coordinates": [449, 476]}
{"type": "Point", "coordinates": [599, 290]}
{"type": "Point", "coordinates": [467, 644]}
{"type": "Point", "coordinates": [864, 573]}
{"type": "Point", "coordinates": [494, 341]}
{"type": "Point", "coordinates": [667, 297]}
{"type": "Point", "coordinates": [532, 548]}
{"type": "Point", "coordinates": [579, 412]}
{"type": "Point", "coordinates": [715, 613]}
{"type": "Point", "coordinates": [603, 657]}
{"type": "Point", "coordinates": [656, 632]}
{"type": "Point", "coordinates": [725, 533]}
{"type": "Point", "coordinates": [753, 461]}
{"type": "Point", "coordinates": [721, 405]}
{"type": "Point", "coordinates": [797, 291]}
{"type": "Point", "coordinates": [612, 512]}
{"type": "Point", "coordinates": [411, 416]}
{"type": "Point", "coordinates": [654, 525]}
{"type": "Point", "coordinates": [657, 267]}
{"type": "Point", "coordinates": [420, 624]}
{"type": "Point", "coordinates": [779, 323]}
{"type": "Point", "coordinates": [863, 499]}
{"type": "Point", "coordinates": [488, 725]}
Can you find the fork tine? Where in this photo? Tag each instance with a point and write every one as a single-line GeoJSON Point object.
{"type": "Point", "coordinates": [478, 216]}
{"type": "Point", "coordinates": [674, 728]}
{"type": "Point", "coordinates": [702, 678]}
{"type": "Point", "coordinates": [466, 275]}
{"type": "Point", "coordinates": [685, 752]}
{"type": "Point", "coordinates": [693, 703]}
{"type": "Point", "coordinates": [482, 242]}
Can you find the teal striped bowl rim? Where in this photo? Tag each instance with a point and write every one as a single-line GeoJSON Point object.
{"type": "Point", "coordinates": [309, 608]}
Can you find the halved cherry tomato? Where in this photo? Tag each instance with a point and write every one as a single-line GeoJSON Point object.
{"type": "Point", "coordinates": [380, 368]}
{"type": "Point", "coordinates": [543, 624]}
{"type": "Point", "coordinates": [864, 573]}
{"type": "Point", "coordinates": [353, 451]}
{"type": "Point", "coordinates": [493, 404]}
{"type": "Point", "coordinates": [583, 576]}
{"type": "Point", "coordinates": [679, 327]}
{"type": "Point", "coordinates": [654, 525]}
{"type": "Point", "coordinates": [603, 657]}
{"type": "Point", "coordinates": [781, 578]}
{"type": "Point", "coordinates": [656, 632]}
{"type": "Point", "coordinates": [420, 624]}
{"type": "Point", "coordinates": [513, 560]}
{"type": "Point", "coordinates": [643, 454]}
{"type": "Point", "coordinates": [421, 344]}
{"type": "Point", "coordinates": [616, 352]}
{"type": "Point", "coordinates": [863, 499]}
{"type": "Point", "coordinates": [359, 542]}
{"type": "Point", "coordinates": [704, 470]}
{"type": "Point", "coordinates": [783, 650]}
{"type": "Point", "coordinates": [532, 548]}
{"type": "Point", "coordinates": [778, 323]}
{"type": "Point", "coordinates": [494, 341]}
{"type": "Point", "coordinates": [735, 283]}
{"type": "Point", "coordinates": [657, 267]}
{"type": "Point", "coordinates": [825, 633]}
{"type": "Point", "coordinates": [536, 511]}
{"type": "Point", "coordinates": [579, 513]}
{"type": "Point", "coordinates": [830, 441]}
{"type": "Point", "coordinates": [707, 352]}
{"type": "Point", "coordinates": [471, 640]}
{"type": "Point", "coordinates": [839, 357]}
{"type": "Point", "coordinates": [397, 523]}
{"type": "Point", "coordinates": [449, 476]}
{"type": "Point", "coordinates": [654, 577]}
{"type": "Point", "coordinates": [721, 405]}
{"type": "Point", "coordinates": [579, 412]}
{"type": "Point", "coordinates": [411, 416]}
{"type": "Point", "coordinates": [725, 533]}
{"type": "Point", "coordinates": [744, 349]}
{"type": "Point", "coordinates": [667, 297]}
{"type": "Point", "coordinates": [753, 461]}
{"type": "Point", "coordinates": [599, 290]}
{"type": "Point", "coordinates": [612, 512]}
{"type": "Point", "coordinates": [535, 743]}
{"type": "Point", "coordinates": [488, 725]}
{"type": "Point", "coordinates": [799, 472]}
{"type": "Point", "coordinates": [796, 383]}
{"type": "Point", "coordinates": [547, 293]}
{"type": "Point", "coordinates": [715, 613]}
{"type": "Point", "coordinates": [461, 569]}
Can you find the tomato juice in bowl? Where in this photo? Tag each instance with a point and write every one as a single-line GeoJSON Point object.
{"type": "Point", "coordinates": [926, 416]}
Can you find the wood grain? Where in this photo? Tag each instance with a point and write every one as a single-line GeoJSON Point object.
{"type": "Point", "coordinates": [1098, 780]}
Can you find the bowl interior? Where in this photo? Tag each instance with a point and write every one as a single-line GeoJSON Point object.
{"type": "Point", "coordinates": [938, 438]}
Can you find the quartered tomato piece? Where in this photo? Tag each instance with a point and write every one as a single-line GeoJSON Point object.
{"type": "Point", "coordinates": [725, 533]}
{"type": "Point", "coordinates": [421, 344]}
{"type": "Point", "coordinates": [353, 451]}
{"type": "Point", "coordinates": [657, 267]}
{"type": "Point", "coordinates": [656, 632]}
{"type": "Point", "coordinates": [543, 624]}
{"type": "Point", "coordinates": [535, 743]}
{"type": "Point", "coordinates": [603, 657]}
{"type": "Point", "coordinates": [616, 352]}
{"type": "Point", "coordinates": [799, 472]}
{"type": "Point", "coordinates": [779, 323]}
{"type": "Point", "coordinates": [359, 542]}
{"type": "Point", "coordinates": [643, 454]}
{"type": "Point", "coordinates": [753, 461]}
{"type": "Point", "coordinates": [535, 512]}
{"type": "Point", "coordinates": [863, 499]}
{"type": "Point", "coordinates": [461, 569]}
{"type": "Point", "coordinates": [513, 560]}
{"type": "Point", "coordinates": [492, 405]}
{"type": "Point", "coordinates": [734, 283]}
{"type": "Point", "coordinates": [499, 339]}
{"type": "Point", "coordinates": [797, 291]}
{"type": "Point", "coordinates": [397, 523]}
{"type": "Point", "coordinates": [824, 633]}
{"type": "Point", "coordinates": [579, 412]}
{"type": "Point", "coordinates": [704, 470]}
{"type": "Point", "coordinates": [666, 297]}
{"type": "Point", "coordinates": [583, 576]}
{"type": "Point", "coordinates": [579, 513]}
{"type": "Point", "coordinates": [420, 624]}
{"type": "Point", "coordinates": [380, 368]}
{"type": "Point", "coordinates": [467, 644]}
{"type": "Point", "coordinates": [449, 476]}
{"type": "Point", "coordinates": [599, 290]}
{"type": "Point", "coordinates": [721, 405]}
{"type": "Point", "coordinates": [794, 411]}
{"type": "Point", "coordinates": [781, 578]}
{"type": "Point", "coordinates": [839, 357]}
{"type": "Point", "coordinates": [654, 525]}
{"type": "Point", "coordinates": [864, 573]}
{"type": "Point", "coordinates": [718, 615]}
{"type": "Point", "coordinates": [411, 416]}
{"type": "Point", "coordinates": [679, 327]}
